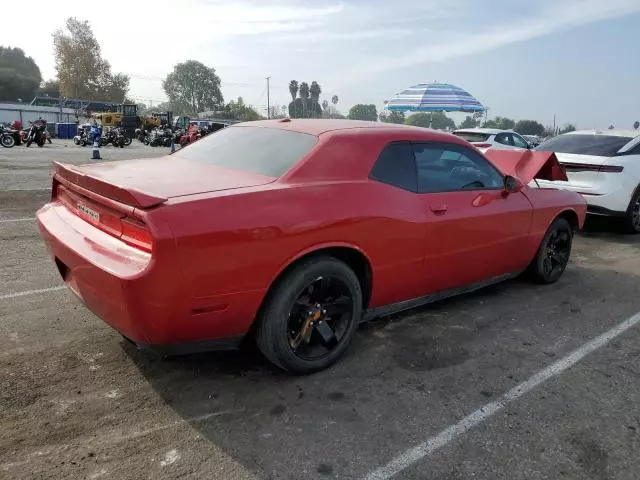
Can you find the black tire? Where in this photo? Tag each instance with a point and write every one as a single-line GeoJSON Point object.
{"type": "Point", "coordinates": [632, 218]}
{"type": "Point", "coordinates": [127, 141]}
{"type": "Point", "coordinates": [7, 141]}
{"type": "Point", "coordinates": [273, 328]}
{"type": "Point", "coordinates": [553, 254]}
{"type": "Point", "coordinates": [29, 142]}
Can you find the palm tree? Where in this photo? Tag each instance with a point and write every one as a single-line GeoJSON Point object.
{"type": "Point", "coordinates": [293, 89]}
{"type": "Point", "coordinates": [315, 91]}
{"type": "Point", "coordinates": [304, 90]}
{"type": "Point", "coordinates": [334, 99]}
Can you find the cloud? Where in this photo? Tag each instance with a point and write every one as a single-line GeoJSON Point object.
{"type": "Point", "coordinates": [552, 17]}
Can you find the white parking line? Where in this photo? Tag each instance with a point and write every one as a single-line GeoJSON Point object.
{"type": "Point", "coordinates": [11, 220]}
{"type": "Point", "coordinates": [449, 434]}
{"type": "Point", "coordinates": [32, 292]}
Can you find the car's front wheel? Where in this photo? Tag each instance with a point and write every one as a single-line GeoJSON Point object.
{"type": "Point", "coordinates": [311, 316]}
{"type": "Point", "coordinates": [632, 219]}
{"type": "Point", "coordinates": [553, 254]}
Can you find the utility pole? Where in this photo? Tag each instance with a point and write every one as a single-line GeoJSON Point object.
{"type": "Point", "coordinates": [268, 99]}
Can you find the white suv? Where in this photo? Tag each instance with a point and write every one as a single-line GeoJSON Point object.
{"type": "Point", "coordinates": [603, 166]}
{"type": "Point", "coordinates": [484, 138]}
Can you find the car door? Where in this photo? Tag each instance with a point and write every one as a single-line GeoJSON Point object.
{"type": "Point", "coordinates": [475, 230]}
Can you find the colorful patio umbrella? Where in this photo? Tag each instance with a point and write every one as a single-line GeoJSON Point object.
{"type": "Point", "coordinates": [434, 97]}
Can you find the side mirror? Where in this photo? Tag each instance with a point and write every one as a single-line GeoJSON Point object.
{"type": "Point", "coordinates": [512, 184]}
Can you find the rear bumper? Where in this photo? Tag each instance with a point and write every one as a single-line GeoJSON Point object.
{"type": "Point", "coordinates": [615, 202]}
{"type": "Point", "coordinates": [597, 210]}
{"type": "Point", "coordinates": [141, 296]}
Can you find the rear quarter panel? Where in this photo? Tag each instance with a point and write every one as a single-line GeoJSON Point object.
{"type": "Point", "coordinates": [548, 204]}
{"type": "Point", "coordinates": [232, 245]}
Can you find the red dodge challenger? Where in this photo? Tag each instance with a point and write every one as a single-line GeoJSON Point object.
{"type": "Point", "coordinates": [297, 230]}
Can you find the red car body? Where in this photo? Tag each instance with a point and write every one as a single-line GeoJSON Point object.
{"type": "Point", "coordinates": [180, 255]}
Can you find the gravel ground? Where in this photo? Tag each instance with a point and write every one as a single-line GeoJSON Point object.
{"type": "Point", "coordinates": [76, 401]}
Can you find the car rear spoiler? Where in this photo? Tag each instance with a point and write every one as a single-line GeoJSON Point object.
{"type": "Point", "coordinates": [128, 196]}
{"type": "Point", "coordinates": [527, 165]}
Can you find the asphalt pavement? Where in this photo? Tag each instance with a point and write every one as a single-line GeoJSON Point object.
{"type": "Point", "coordinates": [428, 394]}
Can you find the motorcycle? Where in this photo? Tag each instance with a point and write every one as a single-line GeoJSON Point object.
{"type": "Point", "coordinates": [35, 133]}
{"type": "Point", "coordinates": [192, 134]}
{"type": "Point", "coordinates": [160, 137]}
{"type": "Point", "coordinates": [7, 138]}
{"type": "Point", "coordinates": [83, 138]}
{"type": "Point", "coordinates": [116, 137]}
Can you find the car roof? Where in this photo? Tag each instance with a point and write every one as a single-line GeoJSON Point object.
{"type": "Point", "coordinates": [610, 133]}
{"type": "Point", "coordinates": [320, 126]}
{"type": "Point", "coordinates": [491, 131]}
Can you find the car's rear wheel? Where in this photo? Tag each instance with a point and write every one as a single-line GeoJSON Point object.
{"type": "Point", "coordinates": [311, 316]}
{"type": "Point", "coordinates": [553, 254]}
{"type": "Point", "coordinates": [632, 219]}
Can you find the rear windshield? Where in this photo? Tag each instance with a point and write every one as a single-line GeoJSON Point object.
{"type": "Point", "coordinates": [266, 151]}
{"type": "Point", "coordinates": [600, 145]}
{"type": "Point", "coordinates": [473, 136]}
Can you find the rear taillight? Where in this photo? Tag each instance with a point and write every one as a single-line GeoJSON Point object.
{"type": "Point", "coordinates": [588, 167]}
{"type": "Point", "coordinates": [136, 233]}
{"type": "Point", "coordinates": [130, 230]}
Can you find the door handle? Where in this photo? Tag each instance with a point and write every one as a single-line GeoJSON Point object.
{"type": "Point", "coordinates": [438, 209]}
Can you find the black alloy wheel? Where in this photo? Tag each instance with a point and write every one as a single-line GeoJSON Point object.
{"type": "Point", "coordinates": [310, 316]}
{"type": "Point", "coordinates": [554, 252]}
{"type": "Point", "coordinates": [319, 318]}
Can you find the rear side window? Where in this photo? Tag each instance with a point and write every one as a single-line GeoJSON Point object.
{"type": "Point", "coordinates": [444, 167]}
{"type": "Point", "coordinates": [396, 166]}
{"type": "Point", "coordinates": [600, 145]}
{"type": "Point", "coordinates": [473, 136]}
{"type": "Point", "coordinates": [266, 151]}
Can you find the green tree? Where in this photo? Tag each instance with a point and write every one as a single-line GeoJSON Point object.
{"type": "Point", "coordinates": [363, 112]}
{"type": "Point", "coordinates": [304, 90]}
{"type": "Point", "coordinates": [436, 120]}
{"type": "Point", "coordinates": [391, 117]}
{"type": "Point", "coordinates": [315, 91]}
{"type": "Point", "coordinates": [469, 122]}
{"type": "Point", "coordinates": [334, 100]}
{"type": "Point", "coordinates": [529, 127]}
{"type": "Point", "coordinates": [293, 89]}
{"type": "Point", "coordinates": [193, 87]}
{"type": "Point", "coordinates": [307, 105]}
{"type": "Point", "coordinates": [568, 128]}
{"type": "Point", "coordinates": [502, 123]}
{"type": "Point", "coordinates": [238, 110]}
{"type": "Point", "coordinates": [50, 88]}
{"type": "Point", "coordinates": [636, 125]}
{"type": "Point", "coordinates": [20, 77]}
{"type": "Point", "coordinates": [82, 72]}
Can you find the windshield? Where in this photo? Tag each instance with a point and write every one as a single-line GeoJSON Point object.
{"type": "Point", "coordinates": [472, 136]}
{"type": "Point", "coordinates": [598, 145]}
{"type": "Point", "coordinates": [267, 151]}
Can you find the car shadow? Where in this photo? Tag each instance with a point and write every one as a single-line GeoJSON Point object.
{"type": "Point", "coordinates": [609, 229]}
{"type": "Point", "coordinates": [400, 373]}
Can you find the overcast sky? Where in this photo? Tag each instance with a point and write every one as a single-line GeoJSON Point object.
{"type": "Point", "coordinates": [522, 59]}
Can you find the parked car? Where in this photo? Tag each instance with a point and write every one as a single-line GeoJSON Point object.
{"type": "Point", "coordinates": [297, 230]}
{"type": "Point", "coordinates": [533, 140]}
{"type": "Point", "coordinates": [484, 138]}
{"type": "Point", "coordinates": [604, 167]}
